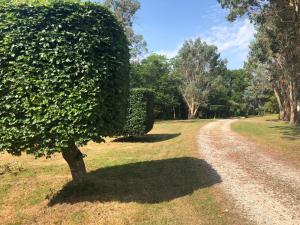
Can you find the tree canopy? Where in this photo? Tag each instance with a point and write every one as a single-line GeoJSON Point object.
{"type": "Point", "coordinates": [277, 46]}
{"type": "Point", "coordinates": [64, 77]}
{"type": "Point", "coordinates": [125, 11]}
{"type": "Point", "coordinates": [198, 65]}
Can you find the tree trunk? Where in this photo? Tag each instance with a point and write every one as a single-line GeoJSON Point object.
{"type": "Point", "coordinates": [74, 158]}
{"type": "Point", "coordinates": [283, 104]}
{"type": "Point", "coordinates": [193, 112]}
{"type": "Point", "coordinates": [287, 110]}
{"type": "Point", "coordinates": [191, 116]}
{"type": "Point", "coordinates": [280, 105]}
{"type": "Point", "coordinates": [174, 113]}
{"type": "Point", "coordinates": [293, 102]}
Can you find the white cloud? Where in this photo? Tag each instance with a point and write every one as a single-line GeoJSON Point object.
{"type": "Point", "coordinates": [232, 40]}
{"type": "Point", "coordinates": [236, 37]}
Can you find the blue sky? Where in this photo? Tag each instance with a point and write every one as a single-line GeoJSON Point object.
{"type": "Point", "coordinates": [166, 24]}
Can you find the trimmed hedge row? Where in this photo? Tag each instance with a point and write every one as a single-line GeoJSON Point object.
{"type": "Point", "coordinates": [140, 117]}
{"type": "Point", "coordinates": [64, 76]}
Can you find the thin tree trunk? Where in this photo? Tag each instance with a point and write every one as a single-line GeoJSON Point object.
{"type": "Point", "coordinates": [287, 110]}
{"type": "Point", "coordinates": [193, 112]}
{"type": "Point", "coordinates": [74, 158]}
{"type": "Point", "coordinates": [280, 105]}
{"type": "Point", "coordinates": [191, 115]}
{"type": "Point", "coordinates": [293, 102]}
{"type": "Point", "coordinates": [174, 113]}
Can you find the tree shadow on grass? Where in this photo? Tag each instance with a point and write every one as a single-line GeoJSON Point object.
{"type": "Point", "coordinates": [143, 182]}
{"type": "Point", "coordinates": [149, 138]}
{"type": "Point", "coordinates": [289, 132]}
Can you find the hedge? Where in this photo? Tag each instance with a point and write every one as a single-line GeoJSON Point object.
{"type": "Point", "coordinates": [140, 117]}
{"type": "Point", "coordinates": [64, 76]}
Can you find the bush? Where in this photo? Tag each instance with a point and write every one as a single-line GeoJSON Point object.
{"type": "Point", "coordinates": [140, 117]}
{"type": "Point", "coordinates": [64, 77]}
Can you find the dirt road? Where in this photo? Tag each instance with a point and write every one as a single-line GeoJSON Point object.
{"type": "Point", "coordinates": [263, 190]}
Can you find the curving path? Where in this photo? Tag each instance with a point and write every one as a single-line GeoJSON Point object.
{"type": "Point", "coordinates": [262, 189]}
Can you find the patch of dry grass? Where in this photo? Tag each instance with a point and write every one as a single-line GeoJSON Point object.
{"type": "Point", "coordinates": [281, 139]}
{"type": "Point", "coordinates": [158, 179]}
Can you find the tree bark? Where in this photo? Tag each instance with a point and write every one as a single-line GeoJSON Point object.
{"type": "Point", "coordinates": [193, 112]}
{"type": "Point", "coordinates": [293, 102]}
{"type": "Point", "coordinates": [284, 105]}
{"type": "Point", "coordinates": [280, 105]}
{"type": "Point", "coordinates": [287, 110]}
{"type": "Point", "coordinates": [74, 158]}
{"type": "Point", "coordinates": [174, 113]}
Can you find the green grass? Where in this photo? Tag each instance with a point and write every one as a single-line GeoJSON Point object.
{"type": "Point", "coordinates": [282, 139]}
{"type": "Point", "coordinates": [157, 179]}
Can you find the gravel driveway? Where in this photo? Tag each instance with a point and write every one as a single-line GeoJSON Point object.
{"type": "Point", "coordinates": [263, 190]}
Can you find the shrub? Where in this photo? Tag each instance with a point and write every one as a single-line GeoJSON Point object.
{"type": "Point", "coordinates": [64, 78]}
{"type": "Point", "coordinates": [140, 117]}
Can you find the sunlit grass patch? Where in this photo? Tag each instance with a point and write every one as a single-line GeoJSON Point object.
{"type": "Point", "coordinates": [280, 137]}
{"type": "Point", "coordinates": [156, 179]}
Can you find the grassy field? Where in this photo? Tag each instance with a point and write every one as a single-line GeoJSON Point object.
{"type": "Point", "coordinates": [157, 179]}
{"type": "Point", "coordinates": [282, 140]}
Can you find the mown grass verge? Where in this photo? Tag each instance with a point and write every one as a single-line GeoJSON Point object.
{"type": "Point", "coordinates": [282, 139]}
{"type": "Point", "coordinates": [157, 179]}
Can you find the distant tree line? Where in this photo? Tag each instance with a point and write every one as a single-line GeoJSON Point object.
{"type": "Point", "coordinates": [210, 91]}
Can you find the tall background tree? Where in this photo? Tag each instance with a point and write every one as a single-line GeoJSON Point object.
{"type": "Point", "coordinates": [279, 23]}
{"type": "Point", "coordinates": [198, 65]}
{"type": "Point", "coordinates": [125, 11]}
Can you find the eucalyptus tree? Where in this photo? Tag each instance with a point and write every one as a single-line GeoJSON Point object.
{"type": "Point", "coordinates": [261, 57]}
{"type": "Point", "coordinates": [125, 11]}
{"type": "Point", "coordinates": [198, 64]}
{"type": "Point", "coordinates": [281, 21]}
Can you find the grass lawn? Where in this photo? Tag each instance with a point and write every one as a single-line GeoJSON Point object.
{"type": "Point", "coordinates": [158, 179]}
{"type": "Point", "coordinates": [282, 139]}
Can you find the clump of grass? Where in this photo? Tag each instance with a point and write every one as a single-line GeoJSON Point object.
{"type": "Point", "coordinates": [11, 168]}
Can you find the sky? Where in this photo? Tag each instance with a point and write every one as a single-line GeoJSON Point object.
{"type": "Point", "coordinates": [166, 24]}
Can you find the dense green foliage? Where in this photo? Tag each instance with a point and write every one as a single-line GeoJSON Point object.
{"type": "Point", "coordinates": [63, 76]}
{"type": "Point", "coordinates": [236, 82]}
{"type": "Point", "coordinates": [155, 73]}
{"type": "Point", "coordinates": [140, 117]}
{"type": "Point", "coordinates": [37, 2]}
{"type": "Point", "coordinates": [231, 92]}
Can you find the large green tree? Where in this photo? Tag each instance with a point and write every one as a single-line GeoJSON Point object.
{"type": "Point", "coordinates": [258, 93]}
{"type": "Point", "coordinates": [236, 81]}
{"type": "Point", "coordinates": [199, 66]}
{"type": "Point", "coordinates": [155, 73]}
{"type": "Point", "coordinates": [261, 57]}
{"type": "Point", "coordinates": [125, 11]}
{"type": "Point", "coordinates": [64, 79]}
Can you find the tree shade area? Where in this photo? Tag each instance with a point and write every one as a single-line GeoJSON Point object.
{"type": "Point", "coordinates": [64, 79]}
